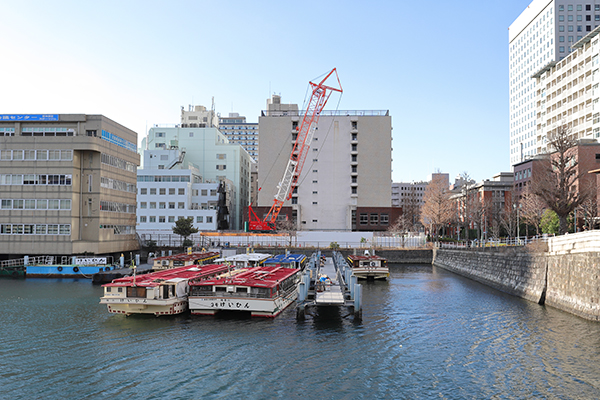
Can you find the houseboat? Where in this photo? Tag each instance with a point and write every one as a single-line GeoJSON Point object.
{"type": "Point", "coordinates": [184, 259]}
{"type": "Point", "coordinates": [159, 293]}
{"type": "Point", "coordinates": [261, 291]}
{"type": "Point", "coordinates": [297, 261]}
{"type": "Point", "coordinates": [369, 266]}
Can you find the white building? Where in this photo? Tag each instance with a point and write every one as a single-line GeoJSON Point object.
{"type": "Point", "coordinates": [567, 93]}
{"type": "Point", "coordinates": [216, 159]}
{"type": "Point", "coordinates": [543, 33]}
{"type": "Point", "coordinates": [408, 193]}
{"type": "Point", "coordinates": [167, 194]}
{"type": "Point", "coordinates": [348, 166]}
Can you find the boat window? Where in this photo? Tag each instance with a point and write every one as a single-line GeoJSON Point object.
{"type": "Point", "coordinates": [120, 290]}
{"type": "Point", "coordinates": [136, 292]}
{"type": "Point", "coordinates": [241, 290]}
{"type": "Point", "coordinates": [108, 289]}
{"type": "Point", "coordinates": [220, 289]}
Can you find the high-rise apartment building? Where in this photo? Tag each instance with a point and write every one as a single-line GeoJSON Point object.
{"type": "Point", "coordinates": [238, 131]}
{"type": "Point", "coordinates": [347, 172]}
{"type": "Point", "coordinates": [542, 34]}
{"type": "Point", "coordinates": [67, 185]}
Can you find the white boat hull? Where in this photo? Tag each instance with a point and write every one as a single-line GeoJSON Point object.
{"type": "Point", "coordinates": [130, 306]}
{"type": "Point", "coordinates": [371, 272]}
{"type": "Point", "coordinates": [210, 305]}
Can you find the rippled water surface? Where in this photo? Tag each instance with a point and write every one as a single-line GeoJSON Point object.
{"type": "Point", "coordinates": [426, 333]}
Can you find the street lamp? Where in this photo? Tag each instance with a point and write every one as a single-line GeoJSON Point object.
{"type": "Point", "coordinates": [517, 207]}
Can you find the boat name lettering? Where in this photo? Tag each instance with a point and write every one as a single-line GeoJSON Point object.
{"type": "Point", "coordinates": [91, 261]}
{"type": "Point", "coordinates": [133, 300]}
{"type": "Point", "coordinates": [229, 304]}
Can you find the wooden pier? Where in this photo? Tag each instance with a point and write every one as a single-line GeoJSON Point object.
{"type": "Point", "coordinates": [328, 282]}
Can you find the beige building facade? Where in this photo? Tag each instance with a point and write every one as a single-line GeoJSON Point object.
{"type": "Point", "coordinates": [67, 185]}
{"type": "Point", "coordinates": [348, 165]}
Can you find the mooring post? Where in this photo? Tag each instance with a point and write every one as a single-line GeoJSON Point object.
{"type": "Point", "coordinates": [358, 301]}
{"type": "Point", "coordinates": [352, 287]}
{"type": "Point", "coordinates": [301, 293]}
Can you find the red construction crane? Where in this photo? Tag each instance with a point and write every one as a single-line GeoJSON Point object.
{"type": "Point", "coordinates": [320, 94]}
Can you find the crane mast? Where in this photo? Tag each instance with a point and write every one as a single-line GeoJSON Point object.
{"type": "Point", "coordinates": [319, 96]}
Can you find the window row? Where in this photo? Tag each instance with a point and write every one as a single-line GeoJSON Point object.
{"type": "Point", "coordinates": [34, 179]}
{"type": "Point", "coordinates": [7, 131]}
{"type": "Point", "coordinates": [112, 206]}
{"type": "Point", "coordinates": [374, 219]}
{"type": "Point", "coordinates": [47, 131]}
{"type": "Point", "coordinates": [120, 229]}
{"type": "Point", "coordinates": [35, 229]}
{"type": "Point", "coordinates": [110, 183]}
{"type": "Point", "coordinates": [162, 205]}
{"type": "Point", "coordinates": [157, 178]}
{"type": "Point", "coordinates": [118, 163]}
{"type": "Point", "coordinates": [588, 7]}
{"type": "Point", "coordinates": [35, 204]}
{"type": "Point", "coordinates": [163, 191]}
{"type": "Point", "coordinates": [43, 155]}
{"type": "Point", "coordinates": [119, 141]}
{"type": "Point", "coordinates": [161, 219]}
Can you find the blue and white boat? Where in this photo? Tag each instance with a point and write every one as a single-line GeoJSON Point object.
{"type": "Point", "coordinates": [66, 266]}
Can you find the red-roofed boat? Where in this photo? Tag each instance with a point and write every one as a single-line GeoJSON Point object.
{"type": "Point", "coordinates": [369, 266]}
{"type": "Point", "coordinates": [262, 291]}
{"type": "Point", "coordinates": [184, 259]}
{"type": "Point", "coordinates": [159, 293]}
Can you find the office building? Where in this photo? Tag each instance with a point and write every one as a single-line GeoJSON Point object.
{"type": "Point", "coordinates": [544, 33]}
{"type": "Point", "coordinates": [67, 185]}
{"type": "Point", "coordinates": [347, 172]}
{"type": "Point", "coordinates": [238, 131]}
{"type": "Point", "coordinates": [211, 153]}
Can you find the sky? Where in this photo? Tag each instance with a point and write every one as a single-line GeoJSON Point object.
{"type": "Point", "coordinates": [439, 67]}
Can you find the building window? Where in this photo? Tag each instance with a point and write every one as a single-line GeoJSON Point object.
{"type": "Point", "coordinates": [561, 49]}
{"type": "Point", "coordinates": [152, 191]}
{"type": "Point", "coordinates": [161, 219]}
{"type": "Point", "coordinates": [171, 218]}
{"type": "Point", "coordinates": [364, 219]}
{"type": "Point", "coordinates": [181, 192]}
{"type": "Point", "coordinates": [152, 219]}
{"type": "Point", "coordinates": [385, 219]}
{"type": "Point", "coordinates": [143, 219]}
{"type": "Point", "coordinates": [143, 191]}
{"type": "Point", "coordinates": [294, 200]}
{"type": "Point", "coordinates": [171, 191]}
{"type": "Point", "coordinates": [374, 219]}
{"type": "Point", "coordinates": [162, 205]}
{"type": "Point", "coordinates": [354, 190]}
{"type": "Point", "coordinates": [561, 39]}
{"type": "Point", "coordinates": [209, 220]}
{"type": "Point", "coordinates": [152, 205]}
{"type": "Point", "coordinates": [171, 205]}
{"type": "Point", "coordinates": [162, 191]}
{"type": "Point", "coordinates": [354, 168]}
{"type": "Point", "coordinates": [561, 28]}
{"type": "Point", "coordinates": [199, 219]}
{"type": "Point", "coordinates": [561, 8]}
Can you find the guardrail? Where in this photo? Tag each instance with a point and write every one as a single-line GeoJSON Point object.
{"type": "Point", "coordinates": [516, 241]}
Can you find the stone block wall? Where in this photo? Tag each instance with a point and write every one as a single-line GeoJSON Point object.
{"type": "Point", "coordinates": [574, 284]}
{"type": "Point", "coordinates": [519, 273]}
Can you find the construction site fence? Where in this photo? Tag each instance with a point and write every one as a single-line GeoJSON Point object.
{"type": "Point", "coordinates": [384, 242]}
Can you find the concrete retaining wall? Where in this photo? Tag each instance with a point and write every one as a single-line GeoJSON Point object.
{"type": "Point", "coordinates": [569, 282]}
{"type": "Point", "coordinates": [515, 272]}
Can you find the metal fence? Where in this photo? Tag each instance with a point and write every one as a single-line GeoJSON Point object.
{"type": "Point", "coordinates": [515, 241]}
{"type": "Point", "coordinates": [255, 240]}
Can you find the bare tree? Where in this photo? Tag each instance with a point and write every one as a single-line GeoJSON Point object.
{"type": "Point", "coordinates": [532, 209]}
{"type": "Point", "coordinates": [288, 228]}
{"type": "Point", "coordinates": [558, 184]}
{"type": "Point", "coordinates": [437, 207]}
{"type": "Point", "coordinates": [589, 211]}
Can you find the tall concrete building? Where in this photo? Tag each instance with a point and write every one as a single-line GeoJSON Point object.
{"type": "Point", "coordinates": [346, 174]}
{"type": "Point", "coordinates": [211, 153]}
{"type": "Point", "coordinates": [543, 34]}
{"type": "Point", "coordinates": [67, 185]}
{"type": "Point", "coordinates": [241, 132]}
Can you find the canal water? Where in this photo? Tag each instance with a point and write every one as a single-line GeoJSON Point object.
{"type": "Point", "coordinates": [426, 333]}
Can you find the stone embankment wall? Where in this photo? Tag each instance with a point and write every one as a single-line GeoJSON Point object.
{"type": "Point", "coordinates": [566, 277]}
{"type": "Point", "coordinates": [511, 270]}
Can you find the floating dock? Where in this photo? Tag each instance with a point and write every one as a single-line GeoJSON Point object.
{"type": "Point", "coordinates": [328, 282]}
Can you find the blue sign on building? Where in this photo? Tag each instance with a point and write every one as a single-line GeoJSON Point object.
{"type": "Point", "coordinates": [28, 117]}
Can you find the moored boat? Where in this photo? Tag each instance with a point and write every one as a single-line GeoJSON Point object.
{"type": "Point", "coordinates": [262, 291]}
{"type": "Point", "coordinates": [245, 260]}
{"type": "Point", "coordinates": [369, 266]}
{"type": "Point", "coordinates": [297, 261]}
{"type": "Point", "coordinates": [159, 293]}
{"type": "Point", "coordinates": [66, 266]}
{"type": "Point", "coordinates": [184, 259]}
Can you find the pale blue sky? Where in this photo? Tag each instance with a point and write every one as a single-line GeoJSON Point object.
{"type": "Point", "coordinates": [440, 67]}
